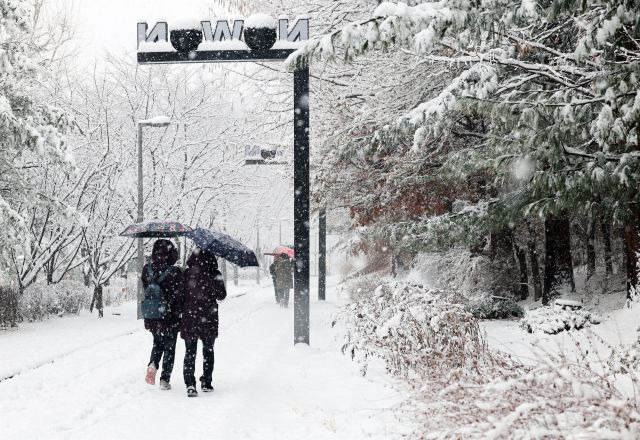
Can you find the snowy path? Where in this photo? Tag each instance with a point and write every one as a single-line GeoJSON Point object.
{"type": "Point", "coordinates": [265, 388]}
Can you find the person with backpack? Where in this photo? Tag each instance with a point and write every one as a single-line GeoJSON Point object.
{"type": "Point", "coordinates": [204, 287]}
{"type": "Point", "coordinates": [282, 275]}
{"type": "Point", "coordinates": [162, 308]}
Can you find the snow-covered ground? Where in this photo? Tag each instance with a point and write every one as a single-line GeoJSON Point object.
{"type": "Point", "coordinates": [83, 377]}
{"type": "Point", "coordinates": [617, 327]}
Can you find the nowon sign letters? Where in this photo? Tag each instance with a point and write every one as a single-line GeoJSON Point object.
{"type": "Point", "coordinates": [224, 31]}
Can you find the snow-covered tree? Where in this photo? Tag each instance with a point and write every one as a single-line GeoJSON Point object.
{"type": "Point", "coordinates": [30, 130]}
{"type": "Point", "coordinates": [551, 89]}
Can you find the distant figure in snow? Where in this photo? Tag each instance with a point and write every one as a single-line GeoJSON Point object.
{"type": "Point", "coordinates": [162, 273]}
{"type": "Point", "coordinates": [204, 287]}
{"type": "Point", "coordinates": [281, 273]}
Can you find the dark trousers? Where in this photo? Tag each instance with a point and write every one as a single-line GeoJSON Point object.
{"type": "Point", "coordinates": [164, 347]}
{"type": "Point", "coordinates": [191, 346]}
{"type": "Point", "coordinates": [282, 296]}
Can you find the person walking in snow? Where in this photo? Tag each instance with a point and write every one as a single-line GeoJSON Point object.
{"type": "Point", "coordinates": [162, 273]}
{"type": "Point", "coordinates": [281, 273]}
{"type": "Point", "coordinates": [204, 287]}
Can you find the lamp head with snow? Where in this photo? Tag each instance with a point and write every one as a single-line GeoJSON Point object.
{"type": "Point", "coordinates": [259, 32]}
{"type": "Point", "coordinates": [185, 40]}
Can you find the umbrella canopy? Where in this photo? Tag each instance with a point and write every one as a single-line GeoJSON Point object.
{"type": "Point", "coordinates": [156, 229]}
{"type": "Point", "coordinates": [282, 250]}
{"type": "Point", "coordinates": [223, 246]}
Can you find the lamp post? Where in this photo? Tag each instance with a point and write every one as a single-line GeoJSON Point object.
{"type": "Point", "coordinates": [160, 121]}
{"type": "Point", "coordinates": [322, 258]}
{"type": "Point", "coordinates": [258, 246]}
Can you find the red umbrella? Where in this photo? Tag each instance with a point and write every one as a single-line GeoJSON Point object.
{"type": "Point", "coordinates": [281, 250]}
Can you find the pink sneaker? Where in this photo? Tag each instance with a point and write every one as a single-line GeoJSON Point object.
{"type": "Point", "coordinates": [151, 374]}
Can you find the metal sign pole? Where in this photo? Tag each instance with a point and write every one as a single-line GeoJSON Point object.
{"type": "Point", "coordinates": [301, 204]}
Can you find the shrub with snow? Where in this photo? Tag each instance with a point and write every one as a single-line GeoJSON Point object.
{"type": "Point", "coordinates": [39, 301]}
{"type": "Point", "coordinates": [415, 330]}
{"type": "Point", "coordinates": [463, 390]}
{"type": "Point", "coordinates": [73, 296]}
{"type": "Point", "coordinates": [555, 319]}
{"type": "Point", "coordinates": [557, 399]}
{"type": "Point", "coordinates": [625, 358]}
{"type": "Point", "coordinates": [8, 307]}
{"type": "Point", "coordinates": [494, 308]}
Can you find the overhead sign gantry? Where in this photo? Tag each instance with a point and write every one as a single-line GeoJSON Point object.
{"type": "Point", "coordinates": [257, 38]}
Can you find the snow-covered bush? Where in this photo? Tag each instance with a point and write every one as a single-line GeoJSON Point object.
{"type": "Point", "coordinates": [494, 308]}
{"type": "Point", "coordinates": [463, 390]}
{"type": "Point", "coordinates": [72, 295]}
{"type": "Point", "coordinates": [555, 400]}
{"type": "Point", "coordinates": [555, 319]}
{"type": "Point", "coordinates": [8, 307]}
{"type": "Point", "coordinates": [416, 331]}
{"type": "Point", "coordinates": [38, 302]}
{"type": "Point", "coordinates": [625, 358]}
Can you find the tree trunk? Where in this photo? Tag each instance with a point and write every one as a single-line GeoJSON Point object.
{"type": "Point", "coordinates": [524, 276]}
{"type": "Point", "coordinates": [591, 249]}
{"type": "Point", "coordinates": [632, 248]}
{"type": "Point", "coordinates": [49, 269]}
{"type": "Point", "coordinates": [606, 238]}
{"type": "Point", "coordinates": [558, 267]}
{"type": "Point", "coordinates": [533, 261]}
{"type": "Point", "coordinates": [495, 242]}
{"type": "Point", "coordinates": [97, 301]}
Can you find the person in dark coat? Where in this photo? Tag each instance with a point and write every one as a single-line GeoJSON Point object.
{"type": "Point", "coordinates": [282, 275]}
{"type": "Point", "coordinates": [164, 331]}
{"type": "Point", "coordinates": [204, 287]}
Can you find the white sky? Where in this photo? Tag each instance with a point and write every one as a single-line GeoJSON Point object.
{"type": "Point", "coordinates": [111, 24]}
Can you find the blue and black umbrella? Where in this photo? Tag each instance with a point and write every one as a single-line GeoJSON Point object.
{"type": "Point", "coordinates": [156, 229]}
{"type": "Point", "coordinates": [223, 246]}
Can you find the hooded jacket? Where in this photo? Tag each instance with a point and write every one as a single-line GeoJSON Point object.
{"type": "Point", "coordinates": [163, 258]}
{"type": "Point", "coordinates": [204, 287]}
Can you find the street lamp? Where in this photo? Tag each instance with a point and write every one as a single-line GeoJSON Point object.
{"type": "Point", "coordinates": [159, 121]}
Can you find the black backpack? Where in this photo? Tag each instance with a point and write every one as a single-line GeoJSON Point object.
{"type": "Point", "coordinates": [154, 305]}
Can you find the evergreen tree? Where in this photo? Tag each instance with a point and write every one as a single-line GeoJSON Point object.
{"type": "Point", "coordinates": [552, 88]}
